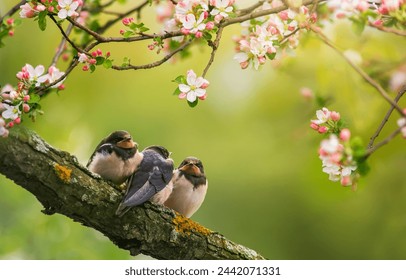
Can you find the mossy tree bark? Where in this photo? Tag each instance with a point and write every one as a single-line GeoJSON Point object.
{"type": "Point", "coordinates": [64, 186]}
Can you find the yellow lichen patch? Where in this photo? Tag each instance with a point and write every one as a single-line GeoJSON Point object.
{"type": "Point", "coordinates": [63, 173]}
{"type": "Point", "coordinates": [185, 225]}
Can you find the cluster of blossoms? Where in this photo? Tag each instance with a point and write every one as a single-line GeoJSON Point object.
{"type": "Point", "coordinates": [262, 37]}
{"type": "Point", "coordinates": [7, 28]}
{"type": "Point", "coordinates": [335, 152]}
{"type": "Point", "coordinates": [379, 13]}
{"type": "Point", "coordinates": [63, 8]}
{"type": "Point", "coordinates": [14, 101]}
{"type": "Point", "coordinates": [196, 18]}
{"type": "Point", "coordinates": [96, 58]}
{"type": "Point", "coordinates": [191, 87]}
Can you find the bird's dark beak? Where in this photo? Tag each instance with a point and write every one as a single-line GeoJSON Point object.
{"type": "Point", "coordinates": [191, 169]}
{"type": "Point", "coordinates": [127, 143]}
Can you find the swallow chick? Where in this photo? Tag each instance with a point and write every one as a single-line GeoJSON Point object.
{"type": "Point", "coordinates": [151, 181]}
{"type": "Point", "coordinates": [116, 157]}
{"type": "Point", "coordinates": [189, 187]}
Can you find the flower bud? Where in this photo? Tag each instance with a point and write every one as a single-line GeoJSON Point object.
{"type": "Point", "coordinates": [335, 116]}
{"type": "Point", "coordinates": [26, 108]}
{"type": "Point", "coordinates": [209, 25]}
{"type": "Point", "coordinates": [322, 129]}
{"type": "Point", "coordinates": [199, 34]}
{"type": "Point", "coordinates": [345, 134]}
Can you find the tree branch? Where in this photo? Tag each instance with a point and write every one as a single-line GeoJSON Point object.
{"type": "Point", "coordinates": [63, 186]}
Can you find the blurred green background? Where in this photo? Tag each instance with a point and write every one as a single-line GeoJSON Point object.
{"type": "Point", "coordinates": [266, 188]}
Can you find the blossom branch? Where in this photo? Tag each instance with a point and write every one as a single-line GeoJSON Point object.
{"type": "Point", "coordinates": [385, 119]}
{"type": "Point", "coordinates": [388, 29]}
{"type": "Point", "coordinates": [261, 13]}
{"type": "Point", "coordinates": [214, 45]}
{"type": "Point", "coordinates": [121, 15]}
{"type": "Point", "coordinates": [154, 64]}
{"type": "Point", "coordinates": [64, 39]}
{"type": "Point", "coordinates": [383, 142]}
{"type": "Point", "coordinates": [361, 72]}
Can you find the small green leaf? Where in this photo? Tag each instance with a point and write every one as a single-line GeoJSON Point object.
{"type": "Point", "coordinates": [99, 60]}
{"type": "Point", "coordinates": [42, 20]}
{"type": "Point", "coordinates": [363, 168]}
{"type": "Point", "coordinates": [177, 91]}
{"type": "Point", "coordinates": [358, 26]}
{"type": "Point", "coordinates": [34, 98]}
{"type": "Point", "coordinates": [271, 56]}
{"type": "Point", "coordinates": [92, 68]}
{"type": "Point", "coordinates": [180, 79]}
{"type": "Point", "coordinates": [128, 34]}
{"type": "Point", "coordinates": [108, 63]}
{"type": "Point", "coordinates": [207, 36]}
{"type": "Point", "coordinates": [193, 104]}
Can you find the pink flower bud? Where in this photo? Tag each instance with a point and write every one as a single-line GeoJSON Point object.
{"type": "Point", "coordinates": [244, 64]}
{"type": "Point", "coordinates": [11, 33]}
{"type": "Point", "coordinates": [99, 52]}
{"type": "Point", "coordinates": [108, 54]}
{"type": "Point", "coordinates": [92, 61]}
{"type": "Point", "coordinates": [122, 31]}
{"type": "Point", "coordinates": [218, 18]}
{"type": "Point", "coordinates": [203, 97]}
{"type": "Point", "coordinates": [314, 126]}
{"type": "Point", "coordinates": [26, 98]}
{"type": "Point", "coordinates": [346, 181]}
{"type": "Point", "coordinates": [209, 25]}
{"type": "Point", "coordinates": [378, 22]}
{"type": "Point", "coordinates": [10, 21]}
{"type": "Point", "coordinates": [17, 120]}
{"type": "Point", "coordinates": [306, 92]}
{"type": "Point", "coordinates": [85, 68]}
{"type": "Point", "coordinates": [322, 129]}
{"type": "Point", "coordinates": [94, 54]}
{"type": "Point", "coordinates": [40, 8]}
{"type": "Point", "coordinates": [26, 108]}
{"type": "Point", "coordinates": [204, 85]}
{"type": "Point", "coordinates": [199, 34]}
{"type": "Point", "coordinates": [127, 21]}
{"type": "Point", "coordinates": [284, 15]}
{"type": "Point", "coordinates": [336, 157]}
{"type": "Point", "coordinates": [335, 116]}
{"type": "Point", "coordinates": [61, 87]}
{"type": "Point", "coordinates": [205, 14]}
{"type": "Point", "coordinates": [182, 95]}
{"type": "Point", "coordinates": [345, 134]}
{"type": "Point", "coordinates": [10, 124]}
{"type": "Point", "coordinates": [65, 57]}
{"type": "Point", "coordinates": [51, 9]}
{"type": "Point", "coordinates": [151, 47]}
{"type": "Point", "coordinates": [185, 31]}
{"type": "Point", "coordinates": [262, 59]}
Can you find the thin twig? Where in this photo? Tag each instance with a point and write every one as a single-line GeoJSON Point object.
{"type": "Point", "coordinates": [385, 119]}
{"type": "Point", "coordinates": [214, 47]}
{"type": "Point", "coordinates": [261, 13]}
{"type": "Point", "coordinates": [383, 142]}
{"type": "Point", "coordinates": [251, 8]}
{"type": "Point", "coordinates": [120, 16]}
{"type": "Point", "coordinates": [154, 64]}
{"type": "Point", "coordinates": [361, 72]}
{"type": "Point", "coordinates": [13, 10]}
{"type": "Point", "coordinates": [388, 30]}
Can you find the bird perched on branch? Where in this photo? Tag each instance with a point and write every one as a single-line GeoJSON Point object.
{"type": "Point", "coordinates": [116, 157]}
{"type": "Point", "coordinates": [189, 187]}
{"type": "Point", "coordinates": [151, 181]}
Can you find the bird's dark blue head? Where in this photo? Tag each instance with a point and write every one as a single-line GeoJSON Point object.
{"type": "Point", "coordinates": [160, 150]}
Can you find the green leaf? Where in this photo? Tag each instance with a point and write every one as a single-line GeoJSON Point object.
{"type": "Point", "coordinates": [207, 36]}
{"type": "Point", "coordinates": [128, 34]}
{"type": "Point", "coordinates": [99, 60]}
{"type": "Point", "coordinates": [34, 98]}
{"type": "Point", "coordinates": [108, 63]}
{"type": "Point", "coordinates": [193, 104]}
{"type": "Point", "coordinates": [363, 168]}
{"type": "Point", "coordinates": [180, 79]}
{"type": "Point", "coordinates": [177, 91]}
{"type": "Point", "coordinates": [92, 68]}
{"type": "Point", "coordinates": [358, 26]}
{"type": "Point", "coordinates": [42, 20]}
{"type": "Point", "coordinates": [271, 56]}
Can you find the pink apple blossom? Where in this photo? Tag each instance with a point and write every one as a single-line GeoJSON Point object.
{"type": "Point", "coordinates": [27, 11]}
{"type": "Point", "coordinates": [67, 8]}
{"type": "Point", "coordinates": [194, 88]}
